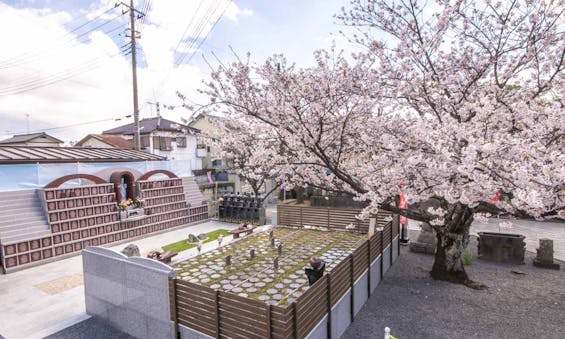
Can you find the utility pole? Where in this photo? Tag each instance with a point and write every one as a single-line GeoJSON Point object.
{"type": "Point", "coordinates": [133, 36]}
{"type": "Point", "coordinates": [136, 137]}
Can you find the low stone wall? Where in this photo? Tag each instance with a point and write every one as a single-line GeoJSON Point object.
{"type": "Point", "coordinates": [130, 294]}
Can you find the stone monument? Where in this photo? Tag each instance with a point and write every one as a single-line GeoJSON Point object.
{"type": "Point", "coordinates": [228, 260]}
{"type": "Point", "coordinates": [251, 253]}
{"type": "Point", "coordinates": [315, 271]}
{"type": "Point", "coordinates": [192, 238]}
{"type": "Point", "coordinates": [544, 256]}
{"type": "Point", "coordinates": [426, 242]}
{"type": "Point", "coordinates": [131, 250]}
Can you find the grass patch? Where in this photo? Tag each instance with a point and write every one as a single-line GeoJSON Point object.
{"type": "Point", "coordinates": [184, 245]}
{"type": "Point", "coordinates": [467, 258]}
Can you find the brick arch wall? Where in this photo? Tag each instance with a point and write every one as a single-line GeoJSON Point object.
{"type": "Point", "coordinates": [58, 182]}
{"type": "Point", "coordinates": [152, 173]}
{"type": "Point", "coordinates": [116, 179]}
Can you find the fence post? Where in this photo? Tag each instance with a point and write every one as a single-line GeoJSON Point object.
{"type": "Point", "coordinates": [294, 327]}
{"type": "Point", "coordinates": [175, 310]}
{"type": "Point", "coordinates": [391, 247]}
{"type": "Point", "coordinates": [329, 304]}
{"type": "Point", "coordinates": [399, 236]}
{"type": "Point", "coordinates": [217, 314]}
{"type": "Point", "coordinates": [368, 267]}
{"type": "Point", "coordinates": [351, 284]}
{"type": "Point", "coordinates": [301, 222]}
{"type": "Point", "coordinates": [382, 250]}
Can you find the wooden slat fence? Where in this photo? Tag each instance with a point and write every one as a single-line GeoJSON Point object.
{"type": "Point", "coordinates": [332, 218]}
{"type": "Point", "coordinates": [311, 307]}
{"type": "Point", "coordinates": [223, 314]}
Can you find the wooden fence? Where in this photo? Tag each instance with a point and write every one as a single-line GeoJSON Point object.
{"type": "Point", "coordinates": [332, 218]}
{"type": "Point", "coordinates": [222, 314]}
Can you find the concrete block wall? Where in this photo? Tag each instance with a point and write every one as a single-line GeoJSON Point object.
{"type": "Point", "coordinates": [130, 294]}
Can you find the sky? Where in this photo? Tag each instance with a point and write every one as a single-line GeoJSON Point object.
{"type": "Point", "coordinates": [65, 66]}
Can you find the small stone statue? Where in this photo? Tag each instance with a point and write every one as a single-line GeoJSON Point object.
{"type": "Point", "coordinates": [316, 271]}
{"type": "Point", "coordinates": [544, 256]}
{"type": "Point", "coordinates": [199, 247]}
{"type": "Point", "coordinates": [271, 235]}
{"type": "Point", "coordinates": [131, 250]}
{"type": "Point", "coordinates": [279, 249]}
{"type": "Point", "coordinates": [252, 253]}
{"type": "Point", "coordinates": [228, 260]}
{"type": "Point", "coordinates": [220, 238]}
{"type": "Point", "coordinates": [276, 263]}
{"type": "Point", "coordinates": [273, 242]}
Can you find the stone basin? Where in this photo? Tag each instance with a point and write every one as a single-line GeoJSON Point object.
{"type": "Point", "coordinates": [502, 247]}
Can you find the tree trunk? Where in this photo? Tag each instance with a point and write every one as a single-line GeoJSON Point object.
{"type": "Point", "coordinates": [452, 240]}
{"type": "Point", "coordinates": [299, 195]}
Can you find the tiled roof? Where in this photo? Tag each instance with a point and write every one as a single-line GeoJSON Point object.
{"type": "Point", "coordinates": [29, 154]}
{"type": "Point", "coordinates": [150, 125]}
{"type": "Point", "coordinates": [112, 140]}
{"type": "Point", "coordinates": [27, 137]}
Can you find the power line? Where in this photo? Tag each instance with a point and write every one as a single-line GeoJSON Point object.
{"type": "Point", "coordinates": [76, 125]}
{"type": "Point", "coordinates": [61, 76]}
{"type": "Point", "coordinates": [39, 54]}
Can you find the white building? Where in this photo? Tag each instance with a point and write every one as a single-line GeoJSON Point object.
{"type": "Point", "coordinates": [163, 137]}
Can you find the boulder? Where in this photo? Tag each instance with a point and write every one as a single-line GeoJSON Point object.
{"type": "Point", "coordinates": [192, 238]}
{"type": "Point", "coordinates": [131, 250]}
{"type": "Point", "coordinates": [202, 236]}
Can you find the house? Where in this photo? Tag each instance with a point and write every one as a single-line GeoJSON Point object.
{"type": "Point", "coordinates": [210, 154]}
{"type": "Point", "coordinates": [34, 139]}
{"type": "Point", "coordinates": [105, 141]}
{"type": "Point", "coordinates": [163, 137]}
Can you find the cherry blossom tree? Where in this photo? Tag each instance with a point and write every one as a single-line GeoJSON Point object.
{"type": "Point", "coordinates": [450, 104]}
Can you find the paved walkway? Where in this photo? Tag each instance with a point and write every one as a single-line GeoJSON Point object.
{"type": "Point", "coordinates": [42, 300]}
{"type": "Point", "coordinates": [533, 230]}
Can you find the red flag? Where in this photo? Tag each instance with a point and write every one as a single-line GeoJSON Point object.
{"type": "Point", "coordinates": [403, 205]}
{"type": "Point", "coordinates": [209, 173]}
{"type": "Point", "coordinates": [495, 199]}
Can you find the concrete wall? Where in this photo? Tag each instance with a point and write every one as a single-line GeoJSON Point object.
{"type": "Point", "coordinates": [189, 333]}
{"type": "Point", "coordinates": [130, 294]}
{"type": "Point", "coordinates": [386, 259]}
{"type": "Point", "coordinates": [395, 244]}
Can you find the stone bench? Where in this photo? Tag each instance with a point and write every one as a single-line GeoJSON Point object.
{"type": "Point", "coordinates": [241, 229]}
{"type": "Point", "coordinates": [164, 257]}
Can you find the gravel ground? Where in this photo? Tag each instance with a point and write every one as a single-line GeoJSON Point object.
{"type": "Point", "coordinates": [530, 305]}
{"type": "Point", "coordinates": [90, 328]}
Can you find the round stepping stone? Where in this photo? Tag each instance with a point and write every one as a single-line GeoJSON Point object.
{"type": "Point", "coordinates": [237, 289]}
{"type": "Point", "coordinates": [246, 284]}
{"type": "Point", "coordinates": [205, 280]}
{"type": "Point", "coordinates": [245, 295]}
{"type": "Point", "coordinates": [279, 285]}
{"type": "Point", "coordinates": [290, 300]}
{"type": "Point", "coordinates": [253, 279]}
{"type": "Point", "coordinates": [215, 276]}
{"type": "Point", "coordinates": [299, 271]}
{"type": "Point", "coordinates": [296, 294]}
{"type": "Point", "coordinates": [194, 270]}
{"type": "Point", "coordinates": [193, 280]}
{"type": "Point", "coordinates": [272, 291]}
{"type": "Point", "coordinates": [277, 297]}
{"type": "Point", "coordinates": [223, 272]}
{"type": "Point", "coordinates": [289, 291]}
{"type": "Point", "coordinates": [268, 280]}
{"type": "Point", "coordinates": [260, 284]}
{"type": "Point", "coordinates": [232, 277]}
{"type": "Point", "coordinates": [293, 276]}
{"type": "Point", "coordinates": [294, 285]}
{"type": "Point", "coordinates": [227, 287]}
{"type": "Point", "coordinates": [287, 281]}
{"type": "Point", "coordinates": [251, 290]}
{"type": "Point", "coordinates": [301, 281]}
{"type": "Point", "coordinates": [215, 286]}
{"type": "Point", "coordinates": [263, 297]}
{"type": "Point", "coordinates": [202, 276]}
{"type": "Point", "coordinates": [304, 288]}
{"type": "Point", "coordinates": [281, 271]}
{"type": "Point", "coordinates": [223, 282]}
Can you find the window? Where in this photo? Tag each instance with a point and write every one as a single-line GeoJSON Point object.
{"type": "Point", "coordinates": [208, 149]}
{"type": "Point", "coordinates": [144, 141]}
{"type": "Point", "coordinates": [181, 142]}
{"type": "Point", "coordinates": [165, 143]}
{"type": "Point", "coordinates": [217, 163]}
{"type": "Point", "coordinates": [156, 143]}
